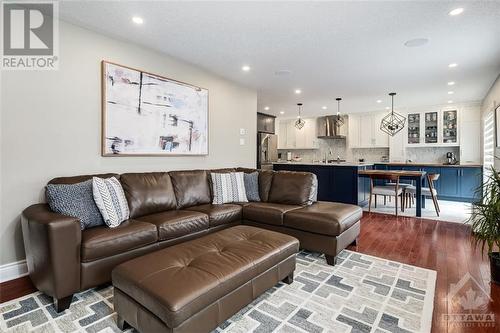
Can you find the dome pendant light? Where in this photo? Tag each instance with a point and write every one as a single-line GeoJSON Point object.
{"type": "Point", "coordinates": [393, 122]}
{"type": "Point", "coordinates": [339, 120]}
{"type": "Point", "coordinates": [299, 123]}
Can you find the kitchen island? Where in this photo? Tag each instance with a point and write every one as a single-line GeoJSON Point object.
{"type": "Point", "coordinates": [337, 182]}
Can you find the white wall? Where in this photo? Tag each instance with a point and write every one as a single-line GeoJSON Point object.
{"type": "Point", "coordinates": [51, 123]}
{"type": "Point", "coordinates": [491, 101]}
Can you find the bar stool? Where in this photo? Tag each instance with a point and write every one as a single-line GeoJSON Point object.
{"type": "Point", "coordinates": [411, 191]}
{"type": "Point", "coordinates": [386, 190]}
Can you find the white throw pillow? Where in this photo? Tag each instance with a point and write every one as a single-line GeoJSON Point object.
{"type": "Point", "coordinates": [110, 199]}
{"type": "Point", "coordinates": [228, 187]}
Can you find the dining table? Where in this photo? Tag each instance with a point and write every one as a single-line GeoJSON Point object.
{"type": "Point", "coordinates": [417, 176]}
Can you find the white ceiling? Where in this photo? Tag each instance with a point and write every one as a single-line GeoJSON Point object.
{"type": "Point", "coordinates": [354, 50]}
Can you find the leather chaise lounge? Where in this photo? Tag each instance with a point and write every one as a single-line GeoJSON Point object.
{"type": "Point", "coordinates": [168, 208]}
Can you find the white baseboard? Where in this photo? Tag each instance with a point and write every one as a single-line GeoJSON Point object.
{"type": "Point", "coordinates": [13, 270]}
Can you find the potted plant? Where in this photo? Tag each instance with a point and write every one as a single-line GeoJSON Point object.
{"type": "Point", "coordinates": [485, 222]}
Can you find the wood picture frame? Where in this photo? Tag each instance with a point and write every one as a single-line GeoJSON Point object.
{"type": "Point", "coordinates": [145, 114]}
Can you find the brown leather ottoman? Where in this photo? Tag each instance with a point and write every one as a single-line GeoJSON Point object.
{"type": "Point", "coordinates": [197, 285]}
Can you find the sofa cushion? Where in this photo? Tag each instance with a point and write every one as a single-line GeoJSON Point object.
{"type": "Point", "coordinates": [75, 200]}
{"type": "Point", "coordinates": [325, 218]}
{"type": "Point", "coordinates": [177, 223]}
{"type": "Point", "coordinates": [110, 199]}
{"type": "Point", "coordinates": [228, 187]}
{"type": "Point", "coordinates": [148, 193]}
{"type": "Point", "coordinates": [219, 214]}
{"type": "Point", "coordinates": [102, 242]}
{"type": "Point", "coordinates": [267, 212]}
{"type": "Point", "coordinates": [252, 186]}
{"type": "Point", "coordinates": [292, 188]}
{"type": "Point", "coordinates": [265, 182]}
{"type": "Point", "coordinates": [191, 187]}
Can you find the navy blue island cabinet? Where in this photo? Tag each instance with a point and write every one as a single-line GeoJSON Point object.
{"type": "Point", "coordinates": [455, 183]}
{"type": "Point", "coordinates": [336, 182]}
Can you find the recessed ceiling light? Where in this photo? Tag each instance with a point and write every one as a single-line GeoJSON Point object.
{"type": "Point", "coordinates": [282, 112]}
{"type": "Point", "coordinates": [324, 107]}
{"type": "Point", "coordinates": [453, 65]}
{"type": "Point", "coordinates": [298, 117]}
{"type": "Point", "coordinates": [450, 101]}
{"type": "Point", "coordinates": [416, 42]}
{"type": "Point", "coordinates": [137, 20]}
{"type": "Point", "coordinates": [282, 72]}
{"type": "Point", "coordinates": [456, 11]}
{"type": "Point", "coordinates": [245, 68]}
{"type": "Point", "coordinates": [451, 92]}
{"type": "Point", "coordinates": [379, 101]}
{"type": "Point", "coordinates": [387, 108]}
{"type": "Point", "coordinates": [298, 91]}
{"type": "Point", "coordinates": [266, 108]}
{"type": "Point", "coordinates": [451, 83]}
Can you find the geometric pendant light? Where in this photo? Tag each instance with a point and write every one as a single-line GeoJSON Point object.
{"type": "Point", "coordinates": [393, 122]}
{"type": "Point", "coordinates": [299, 123]}
{"type": "Point", "coordinates": [338, 118]}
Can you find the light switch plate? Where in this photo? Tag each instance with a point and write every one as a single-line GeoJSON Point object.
{"type": "Point", "coordinates": [243, 131]}
{"type": "Point", "coordinates": [242, 142]}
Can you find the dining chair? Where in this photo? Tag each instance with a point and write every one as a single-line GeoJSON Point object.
{"type": "Point", "coordinates": [386, 190]}
{"type": "Point", "coordinates": [411, 191]}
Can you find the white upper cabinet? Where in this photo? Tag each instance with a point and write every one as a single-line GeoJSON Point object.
{"type": "Point", "coordinates": [365, 132]}
{"type": "Point", "coordinates": [433, 128]}
{"type": "Point", "coordinates": [290, 137]}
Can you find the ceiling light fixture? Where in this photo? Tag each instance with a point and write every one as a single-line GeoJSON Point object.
{"type": "Point", "coordinates": [416, 42]}
{"type": "Point", "coordinates": [387, 108]}
{"type": "Point", "coordinates": [137, 20]}
{"type": "Point", "coordinates": [379, 101]}
{"type": "Point", "coordinates": [245, 68]}
{"type": "Point", "coordinates": [339, 120]}
{"type": "Point", "coordinates": [451, 92]}
{"type": "Point", "coordinates": [298, 91]}
{"type": "Point", "coordinates": [282, 112]}
{"type": "Point", "coordinates": [451, 83]}
{"type": "Point", "coordinates": [453, 65]}
{"type": "Point", "coordinates": [393, 122]}
{"type": "Point", "coordinates": [324, 107]}
{"type": "Point", "coordinates": [456, 11]}
{"type": "Point", "coordinates": [450, 101]}
{"type": "Point", "coordinates": [299, 123]}
{"type": "Point", "coordinates": [266, 108]}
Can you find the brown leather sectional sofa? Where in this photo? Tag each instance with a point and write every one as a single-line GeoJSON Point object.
{"type": "Point", "coordinates": [167, 208]}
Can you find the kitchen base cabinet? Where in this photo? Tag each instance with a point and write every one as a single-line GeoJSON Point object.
{"type": "Point", "coordinates": [335, 182]}
{"type": "Point", "coordinates": [455, 183]}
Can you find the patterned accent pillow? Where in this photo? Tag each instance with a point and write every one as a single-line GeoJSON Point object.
{"type": "Point", "coordinates": [252, 186]}
{"type": "Point", "coordinates": [228, 187]}
{"type": "Point", "coordinates": [111, 201]}
{"type": "Point", "coordinates": [75, 200]}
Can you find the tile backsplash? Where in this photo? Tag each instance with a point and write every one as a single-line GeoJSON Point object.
{"type": "Point", "coordinates": [430, 154]}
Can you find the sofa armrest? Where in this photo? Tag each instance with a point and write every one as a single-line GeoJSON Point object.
{"type": "Point", "coordinates": [53, 243]}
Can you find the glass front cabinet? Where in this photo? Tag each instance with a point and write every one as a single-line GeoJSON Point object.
{"type": "Point", "coordinates": [433, 128]}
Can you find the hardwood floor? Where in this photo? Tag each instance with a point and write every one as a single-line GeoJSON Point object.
{"type": "Point", "coordinates": [441, 246]}
{"type": "Point", "coordinates": [437, 245]}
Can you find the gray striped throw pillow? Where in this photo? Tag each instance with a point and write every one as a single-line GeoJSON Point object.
{"type": "Point", "coordinates": [228, 187]}
{"type": "Point", "coordinates": [110, 199]}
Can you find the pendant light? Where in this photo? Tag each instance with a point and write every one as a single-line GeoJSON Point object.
{"type": "Point", "coordinates": [339, 120]}
{"type": "Point", "coordinates": [299, 123]}
{"type": "Point", "coordinates": [393, 122]}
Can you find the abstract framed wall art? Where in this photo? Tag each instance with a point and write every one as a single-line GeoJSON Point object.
{"type": "Point", "coordinates": [145, 114]}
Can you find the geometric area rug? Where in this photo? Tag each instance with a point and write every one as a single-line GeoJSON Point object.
{"type": "Point", "coordinates": [361, 293]}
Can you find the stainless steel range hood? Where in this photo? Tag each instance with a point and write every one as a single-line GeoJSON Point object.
{"type": "Point", "coordinates": [328, 128]}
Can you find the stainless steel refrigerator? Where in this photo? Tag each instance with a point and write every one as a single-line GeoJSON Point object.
{"type": "Point", "coordinates": [267, 150]}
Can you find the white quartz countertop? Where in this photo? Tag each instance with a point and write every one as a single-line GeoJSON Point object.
{"type": "Point", "coordinates": [334, 164]}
